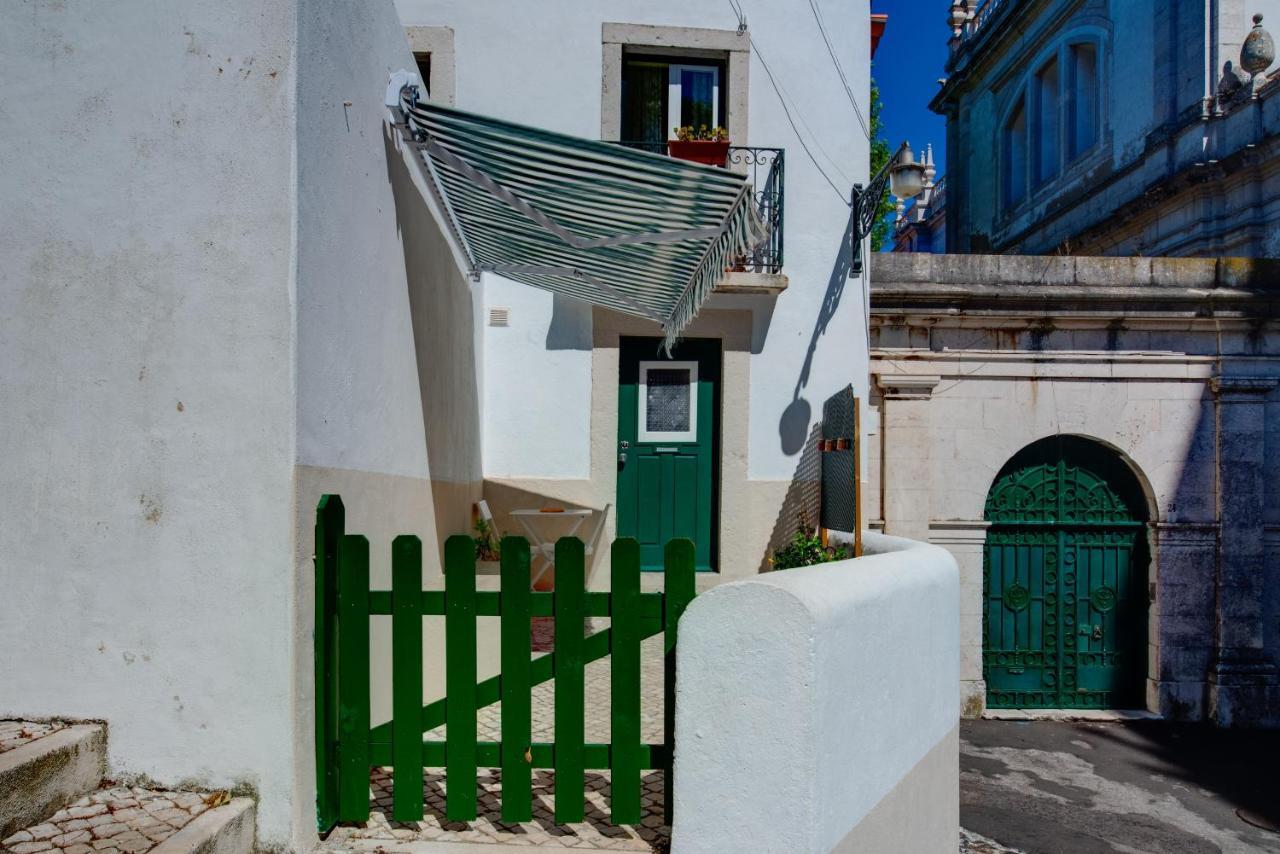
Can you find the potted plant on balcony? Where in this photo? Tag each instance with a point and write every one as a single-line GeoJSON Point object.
{"type": "Point", "coordinates": [709, 146]}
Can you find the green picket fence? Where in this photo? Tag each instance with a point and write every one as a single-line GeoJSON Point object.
{"type": "Point", "coordinates": [348, 747]}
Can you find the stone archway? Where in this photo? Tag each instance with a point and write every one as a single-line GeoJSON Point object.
{"type": "Point", "coordinates": [1064, 621]}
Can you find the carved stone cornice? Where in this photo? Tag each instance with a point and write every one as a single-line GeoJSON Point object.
{"type": "Point", "coordinates": [907, 386]}
{"type": "Point", "coordinates": [1243, 389]}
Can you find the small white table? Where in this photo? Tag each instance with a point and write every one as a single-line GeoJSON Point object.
{"type": "Point", "coordinates": [540, 535]}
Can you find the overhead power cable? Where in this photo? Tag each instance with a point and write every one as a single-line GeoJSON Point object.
{"type": "Point", "coordinates": [844, 80]}
{"type": "Point", "coordinates": [786, 110]}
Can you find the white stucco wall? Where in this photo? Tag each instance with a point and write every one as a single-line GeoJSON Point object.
{"type": "Point", "coordinates": [146, 383]}
{"type": "Point", "coordinates": [537, 373]}
{"type": "Point", "coordinates": [854, 667]}
{"type": "Point", "coordinates": [358, 401]}
{"type": "Point", "coordinates": [223, 295]}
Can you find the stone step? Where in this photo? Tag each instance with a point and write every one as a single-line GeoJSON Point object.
{"type": "Point", "coordinates": [46, 766]}
{"type": "Point", "coordinates": [137, 820]}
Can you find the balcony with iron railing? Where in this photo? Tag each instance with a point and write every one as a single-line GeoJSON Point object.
{"type": "Point", "coordinates": [764, 167]}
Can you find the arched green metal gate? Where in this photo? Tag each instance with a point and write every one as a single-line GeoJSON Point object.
{"type": "Point", "coordinates": [1064, 588]}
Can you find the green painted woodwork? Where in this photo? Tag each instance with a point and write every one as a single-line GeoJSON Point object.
{"type": "Point", "coordinates": [678, 585]}
{"type": "Point", "coordinates": [342, 668]}
{"type": "Point", "coordinates": [406, 682]}
{"type": "Point", "coordinates": [596, 757]}
{"type": "Point", "coordinates": [330, 521]}
{"type": "Point", "coordinates": [624, 687]}
{"type": "Point", "coordinates": [667, 490]}
{"type": "Point", "coordinates": [517, 718]}
{"type": "Point", "coordinates": [570, 680]}
{"type": "Point", "coordinates": [460, 677]}
{"type": "Point", "coordinates": [1064, 617]}
{"type": "Point", "coordinates": [353, 678]}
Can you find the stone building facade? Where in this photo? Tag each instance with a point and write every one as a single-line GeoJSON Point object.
{"type": "Point", "coordinates": [1097, 441]}
{"type": "Point", "coordinates": [922, 227]}
{"type": "Point", "coordinates": [1112, 127]}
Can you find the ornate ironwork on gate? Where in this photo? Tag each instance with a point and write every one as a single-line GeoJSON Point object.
{"type": "Point", "coordinates": [1064, 621]}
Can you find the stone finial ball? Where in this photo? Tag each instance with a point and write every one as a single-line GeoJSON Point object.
{"type": "Point", "coordinates": [1259, 49]}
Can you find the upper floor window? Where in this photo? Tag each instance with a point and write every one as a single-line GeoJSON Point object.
{"type": "Point", "coordinates": [660, 94]}
{"type": "Point", "coordinates": [1047, 130]}
{"type": "Point", "coordinates": [1014, 154]}
{"type": "Point", "coordinates": [1054, 120]}
{"type": "Point", "coordinates": [423, 60]}
{"type": "Point", "coordinates": [1082, 119]}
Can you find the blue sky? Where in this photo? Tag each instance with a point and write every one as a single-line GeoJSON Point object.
{"type": "Point", "coordinates": [911, 58]}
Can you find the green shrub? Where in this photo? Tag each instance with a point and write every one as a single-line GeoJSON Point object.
{"type": "Point", "coordinates": [805, 549]}
{"type": "Point", "coordinates": [486, 541]}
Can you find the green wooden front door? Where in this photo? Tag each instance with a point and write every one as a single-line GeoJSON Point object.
{"type": "Point", "coordinates": [668, 436]}
{"type": "Point", "coordinates": [1064, 619]}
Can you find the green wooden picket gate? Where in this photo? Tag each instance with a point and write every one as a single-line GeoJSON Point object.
{"type": "Point", "coordinates": [348, 747]}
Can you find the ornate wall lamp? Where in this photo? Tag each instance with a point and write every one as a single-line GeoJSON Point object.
{"type": "Point", "coordinates": [905, 179]}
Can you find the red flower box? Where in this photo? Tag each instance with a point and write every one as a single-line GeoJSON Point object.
{"type": "Point", "coordinates": [705, 151]}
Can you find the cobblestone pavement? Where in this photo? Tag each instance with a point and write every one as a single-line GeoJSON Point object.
{"type": "Point", "coordinates": [381, 832]}
{"type": "Point", "coordinates": [120, 820]}
{"type": "Point", "coordinates": [17, 733]}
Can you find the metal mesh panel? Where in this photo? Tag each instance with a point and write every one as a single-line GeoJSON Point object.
{"type": "Point", "coordinates": [839, 511]}
{"type": "Point", "coordinates": [667, 400]}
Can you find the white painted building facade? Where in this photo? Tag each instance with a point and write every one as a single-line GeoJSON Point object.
{"type": "Point", "coordinates": [224, 295]}
{"type": "Point", "coordinates": [550, 374]}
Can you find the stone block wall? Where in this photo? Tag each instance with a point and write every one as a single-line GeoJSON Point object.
{"type": "Point", "coordinates": [1170, 365]}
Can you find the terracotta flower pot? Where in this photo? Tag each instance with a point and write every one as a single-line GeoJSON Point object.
{"type": "Point", "coordinates": [705, 151]}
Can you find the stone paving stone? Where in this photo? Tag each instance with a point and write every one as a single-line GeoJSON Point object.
{"type": "Point", "coordinates": [17, 733]}
{"type": "Point", "coordinates": [973, 843]}
{"type": "Point", "coordinates": [114, 820]}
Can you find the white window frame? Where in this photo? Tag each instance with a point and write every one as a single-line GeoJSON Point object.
{"type": "Point", "coordinates": [673, 94]}
{"type": "Point", "coordinates": [643, 434]}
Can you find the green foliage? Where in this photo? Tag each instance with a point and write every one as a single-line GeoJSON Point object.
{"type": "Point", "coordinates": [486, 540]}
{"type": "Point", "coordinates": [805, 549]}
{"type": "Point", "coordinates": [688, 133]}
{"type": "Point", "coordinates": [880, 154]}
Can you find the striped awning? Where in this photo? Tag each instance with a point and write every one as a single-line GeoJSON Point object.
{"type": "Point", "coordinates": [640, 233]}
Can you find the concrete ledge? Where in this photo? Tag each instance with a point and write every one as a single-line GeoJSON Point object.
{"type": "Point", "coordinates": [1100, 715]}
{"type": "Point", "coordinates": [228, 829]}
{"type": "Point", "coordinates": [43, 776]}
{"type": "Point", "coordinates": [768, 284]}
{"type": "Point", "coordinates": [424, 846]}
{"type": "Point", "coordinates": [1030, 284]}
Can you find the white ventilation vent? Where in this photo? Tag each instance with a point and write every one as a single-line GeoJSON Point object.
{"type": "Point", "coordinates": [499, 317]}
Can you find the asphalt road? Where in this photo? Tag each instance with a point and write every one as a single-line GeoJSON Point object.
{"type": "Point", "coordinates": [1079, 788]}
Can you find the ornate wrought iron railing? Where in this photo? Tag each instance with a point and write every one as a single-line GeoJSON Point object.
{"type": "Point", "coordinates": [765, 167]}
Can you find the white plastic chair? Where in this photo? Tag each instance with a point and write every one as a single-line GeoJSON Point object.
{"type": "Point", "coordinates": [485, 514]}
{"type": "Point", "coordinates": [547, 551]}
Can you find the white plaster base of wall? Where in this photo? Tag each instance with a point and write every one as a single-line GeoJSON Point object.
{"type": "Point", "coordinates": [900, 823]}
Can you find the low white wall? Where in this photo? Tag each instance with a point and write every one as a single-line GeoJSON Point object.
{"type": "Point", "coordinates": [816, 708]}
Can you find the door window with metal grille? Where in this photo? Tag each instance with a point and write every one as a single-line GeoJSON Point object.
{"type": "Point", "coordinates": [668, 402]}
